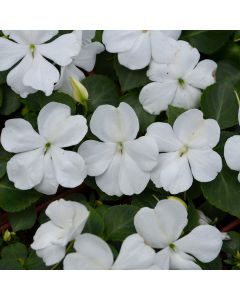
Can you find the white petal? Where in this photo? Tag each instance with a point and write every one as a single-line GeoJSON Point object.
{"type": "Point", "coordinates": [61, 50]}
{"type": "Point", "coordinates": [26, 169]}
{"type": "Point", "coordinates": [18, 135]}
{"type": "Point", "coordinates": [205, 164]}
{"type": "Point", "coordinates": [120, 125]}
{"type": "Point", "coordinates": [143, 151]}
{"type": "Point", "coordinates": [16, 75]}
{"type": "Point", "coordinates": [57, 125]}
{"type": "Point", "coordinates": [31, 36]}
{"type": "Point", "coordinates": [41, 75]}
{"type": "Point", "coordinates": [204, 242]}
{"type": "Point", "coordinates": [160, 73]}
{"type": "Point", "coordinates": [185, 60]}
{"type": "Point", "coordinates": [134, 254]}
{"type": "Point", "coordinates": [182, 261]}
{"type": "Point", "coordinates": [162, 259]}
{"type": "Point", "coordinates": [163, 47]}
{"type": "Point", "coordinates": [120, 40]}
{"type": "Point", "coordinates": [10, 53]}
{"type": "Point", "coordinates": [232, 152]}
{"type": "Point", "coordinates": [50, 117]}
{"type": "Point", "coordinates": [132, 179]}
{"type": "Point", "coordinates": [139, 55]}
{"type": "Point", "coordinates": [87, 35]}
{"type": "Point", "coordinates": [187, 97]}
{"type": "Point", "coordinates": [69, 167]}
{"type": "Point", "coordinates": [52, 254]}
{"type": "Point", "coordinates": [93, 253]}
{"type": "Point", "coordinates": [155, 97]}
{"type": "Point", "coordinates": [97, 156]}
{"type": "Point", "coordinates": [164, 137]}
{"type": "Point", "coordinates": [203, 75]}
{"type": "Point", "coordinates": [86, 59]}
{"type": "Point", "coordinates": [174, 34]}
{"type": "Point", "coordinates": [195, 132]}
{"type": "Point", "coordinates": [172, 173]}
{"type": "Point", "coordinates": [48, 184]}
{"type": "Point", "coordinates": [70, 131]}
{"type": "Point", "coordinates": [62, 213]}
{"type": "Point", "coordinates": [46, 235]}
{"type": "Point", "coordinates": [64, 83]}
{"type": "Point", "coordinates": [111, 175]}
{"type": "Point", "coordinates": [161, 226]}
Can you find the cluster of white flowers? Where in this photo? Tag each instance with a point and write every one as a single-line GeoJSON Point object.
{"type": "Point", "coordinates": [158, 228]}
{"type": "Point", "coordinates": [178, 76]}
{"type": "Point", "coordinates": [120, 162]}
{"type": "Point", "coordinates": [35, 72]}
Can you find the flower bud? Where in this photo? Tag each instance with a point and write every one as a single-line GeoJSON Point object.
{"type": "Point", "coordinates": [7, 236]}
{"type": "Point", "coordinates": [80, 93]}
{"type": "Point", "coordinates": [177, 199]}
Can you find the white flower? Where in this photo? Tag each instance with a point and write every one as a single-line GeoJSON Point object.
{"type": "Point", "coordinates": [35, 72]}
{"type": "Point", "coordinates": [85, 60]}
{"type": "Point", "coordinates": [40, 162]}
{"type": "Point", "coordinates": [67, 220]}
{"type": "Point", "coordinates": [185, 151]}
{"type": "Point", "coordinates": [231, 150]}
{"type": "Point", "coordinates": [93, 253]}
{"type": "Point", "coordinates": [161, 228]}
{"type": "Point", "coordinates": [121, 163]}
{"type": "Point", "coordinates": [178, 83]}
{"type": "Point", "coordinates": [136, 48]}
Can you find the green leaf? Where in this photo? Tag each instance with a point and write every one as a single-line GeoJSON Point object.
{"type": "Point", "coordinates": [23, 220]}
{"type": "Point", "coordinates": [37, 101]}
{"type": "Point", "coordinates": [1, 97]}
{"type": "Point", "coordinates": [33, 262]}
{"type": "Point", "coordinates": [207, 41]}
{"type": "Point", "coordinates": [224, 191]}
{"type": "Point", "coordinates": [130, 79]}
{"type": "Point", "coordinates": [14, 200]}
{"type": "Point", "coordinates": [216, 264]}
{"type": "Point", "coordinates": [147, 198]}
{"type": "Point", "coordinates": [4, 157]}
{"type": "Point", "coordinates": [119, 222]}
{"type": "Point", "coordinates": [223, 138]}
{"type": "Point", "coordinates": [3, 76]}
{"type": "Point", "coordinates": [232, 245]}
{"type": "Point", "coordinates": [9, 264]}
{"type": "Point", "coordinates": [101, 90]}
{"type": "Point", "coordinates": [145, 119]}
{"type": "Point", "coordinates": [173, 112]}
{"type": "Point", "coordinates": [14, 251]}
{"type": "Point", "coordinates": [95, 224]}
{"type": "Point", "coordinates": [226, 71]}
{"type": "Point", "coordinates": [220, 103]}
{"type": "Point", "coordinates": [193, 217]}
{"type": "Point", "coordinates": [10, 101]}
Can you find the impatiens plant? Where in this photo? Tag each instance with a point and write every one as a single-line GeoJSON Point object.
{"type": "Point", "coordinates": [97, 127]}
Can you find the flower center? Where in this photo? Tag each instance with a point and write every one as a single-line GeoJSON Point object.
{"type": "Point", "coordinates": [46, 147]}
{"type": "Point", "coordinates": [120, 147]}
{"type": "Point", "coordinates": [172, 246]}
{"type": "Point", "coordinates": [183, 151]}
{"type": "Point", "coordinates": [145, 31]}
{"type": "Point", "coordinates": [32, 48]}
{"type": "Point", "coordinates": [181, 82]}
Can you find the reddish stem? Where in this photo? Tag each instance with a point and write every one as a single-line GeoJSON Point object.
{"type": "Point", "coordinates": [231, 226]}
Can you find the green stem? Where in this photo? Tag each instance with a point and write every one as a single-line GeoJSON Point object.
{"type": "Point", "coordinates": [67, 250]}
{"type": "Point", "coordinates": [236, 94]}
